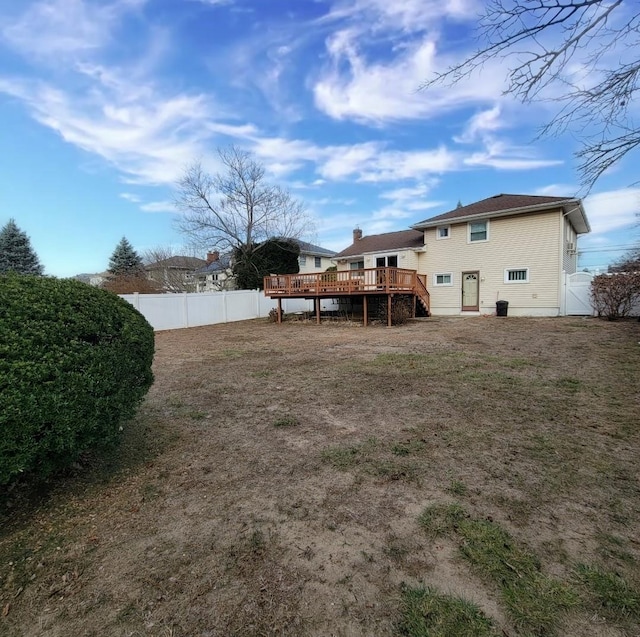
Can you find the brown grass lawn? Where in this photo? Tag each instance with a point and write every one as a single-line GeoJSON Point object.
{"type": "Point", "coordinates": [273, 481]}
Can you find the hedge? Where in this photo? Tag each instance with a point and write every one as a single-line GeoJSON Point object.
{"type": "Point", "coordinates": [75, 361]}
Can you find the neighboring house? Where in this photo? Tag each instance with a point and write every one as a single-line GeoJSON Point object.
{"type": "Point", "coordinates": [314, 258]}
{"type": "Point", "coordinates": [175, 274]}
{"type": "Point", "coordinates": [515, 248]}
{"type": "Point", "coordinates": [215, 275]}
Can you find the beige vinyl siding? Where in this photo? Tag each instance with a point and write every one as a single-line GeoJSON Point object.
{"type": "Point", "coordinates": [407, 259]}
{"type": "Point", "coordinates": [523, 241]}
{"type": "Point", "coordinates": [310, 268]}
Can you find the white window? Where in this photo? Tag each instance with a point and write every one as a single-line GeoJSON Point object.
{"type": "Point", "coordinates": [302, 259]}
{"type": "Point", "coordinates": [443, 232]}
{"type": "Point", "coordinates": [356, 265]}
{"type": "Point", "coordinates": [443, 278]}
{"type": "Point", "coordinates": [516, 275]}
{"type": "Point", "coordinates": [318, 262]}
{"type": "Point", "coordinates": [478, 231]}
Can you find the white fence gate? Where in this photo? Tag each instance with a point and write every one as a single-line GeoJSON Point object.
{"type": "Point", "coordinates": [577, 294]}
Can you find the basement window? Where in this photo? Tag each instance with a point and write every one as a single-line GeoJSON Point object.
{"type": "Point", "coordinates": [516, 275]}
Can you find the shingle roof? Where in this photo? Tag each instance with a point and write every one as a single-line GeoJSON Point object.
{"type": "Point", "coordinates": [383, 242]}
{"type": "Point", "coordinates": [179, 262]}
{"type": "Point", "coordinates": [220, 265]}
{"type": "Point", "coordinates": [497, 203]}
{"type": "Point", "coordinates": [310, 248]}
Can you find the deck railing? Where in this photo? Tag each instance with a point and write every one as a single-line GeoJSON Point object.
{"type": "Point", "coordinates": [343, 282]}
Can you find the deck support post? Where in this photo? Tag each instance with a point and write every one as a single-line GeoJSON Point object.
{"type": "Point", "coordinates": [365, 309]}
{"type": "Point", "coordinates": [389, 310]}
{"type": "Point", "coordinates": [279, 310]}
{"type": "Point", "coordinates": [316, 304]}
{"type": "Point", "coordinates": [415, 305]}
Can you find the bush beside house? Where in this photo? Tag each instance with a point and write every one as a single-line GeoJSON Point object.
{"type": "Point", "coordinates": [75, 361]}
{"type": "Point", "coordinates": [616, 295]}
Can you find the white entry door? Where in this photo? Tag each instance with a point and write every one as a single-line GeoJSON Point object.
{"type": "Point", "coordinates": [470, 291]}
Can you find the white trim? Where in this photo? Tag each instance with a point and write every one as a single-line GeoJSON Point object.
{"type": "Point", "coordinates": [510, 282]}
{"type": "Point", "coordinates": [448, 229]}
{"type": "Point", "coordinates": [441, 285]}
{"type": "Point", "coordinates": [476, 222]}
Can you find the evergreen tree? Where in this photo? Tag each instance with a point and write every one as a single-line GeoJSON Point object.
{"type": "Point", "coordinates": [125, 261]}
{"type": "Point", "coordinates": [16, 253]}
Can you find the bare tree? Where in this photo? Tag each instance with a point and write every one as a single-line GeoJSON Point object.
{"type": "Point", "coordinates": [237, 209]}
{"type": "Point", "coordinates": [583, 54]}
{"type": "Point", "coordinates": [172, 269]}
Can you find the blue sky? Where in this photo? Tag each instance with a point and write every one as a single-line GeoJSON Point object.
{"type": "Point", "coordinates": [104, 102]}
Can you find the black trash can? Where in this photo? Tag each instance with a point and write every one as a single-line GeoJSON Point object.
{"type": "Point", "coordinates": [501, 308]}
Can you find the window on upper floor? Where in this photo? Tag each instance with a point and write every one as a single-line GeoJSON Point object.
{"type": "Point", "coordinates": [443, 232]}
{"type": "Point", "coordinates": [356, 265]}
{"type": "Point", "coordinates": [302, 259]}
{"type": "Point", "coordinates": [516, 275]}
{"type": "Point", "coordinates": [318, 262]}
{"type": "Point", "coordinates": [478, 231]}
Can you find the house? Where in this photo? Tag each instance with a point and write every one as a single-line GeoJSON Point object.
{"type": "Point", "coordinates": [518, 249]}
{"type": "Point", "coordinates": [215, 275]}
{"type": "Point", "coordinates": [174, 274]}
{"type": "Point", "coordinates": [514, 248]}
{"type": "Point", "coordinates": [314, 258]}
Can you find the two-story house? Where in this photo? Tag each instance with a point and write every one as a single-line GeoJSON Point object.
{"type": "Point", "coordinates": [515, 248]}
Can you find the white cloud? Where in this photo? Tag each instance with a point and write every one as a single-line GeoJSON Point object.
{"type": "Point", "coordinates": [383, 51]}
{"type": "Point", "coordinates": [130, 197]}
{"type": "Point", "coordinates": [158, 206]}
{"type": "Point", "coordinates": [51, 29]}
{"type": "Point", "coordinates": [147, 135]}
{"type": "Point", "coordinates": [613, 209]}
{"type": "Point", "coordinates": [503, 156]}
{"type": "Point", "coordinates": [482, 123]}
{"type": "Point", "coordinates": [561, 190]}
{"type": "Point", "coordinates": [407, 16]}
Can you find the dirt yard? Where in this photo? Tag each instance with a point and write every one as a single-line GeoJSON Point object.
{"type": "Point", "coordinates": [273, 481]}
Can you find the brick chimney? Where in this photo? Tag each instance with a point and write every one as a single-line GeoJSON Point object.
{"type": "Point", "coordinates": [212, 256]}
{"type": "Point", "coordinates": [357, 234]}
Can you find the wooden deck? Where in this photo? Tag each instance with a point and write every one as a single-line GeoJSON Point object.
{"type": "Point", "coordinates": [348, 283]}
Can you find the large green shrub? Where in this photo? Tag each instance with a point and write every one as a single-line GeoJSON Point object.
{"type": "Point", "coordinates": [74, 363]}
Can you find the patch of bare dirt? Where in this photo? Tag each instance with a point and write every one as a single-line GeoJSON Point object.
{"type": "Point", "coordinates": [285, 467]}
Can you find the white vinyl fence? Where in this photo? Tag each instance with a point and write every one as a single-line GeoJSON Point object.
{"type": "Point", "coordinates": [174, 311]}
{"type": "Point", "coordinates": [577, 295]}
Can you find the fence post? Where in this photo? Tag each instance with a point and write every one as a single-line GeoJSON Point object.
{"type": "Point", "coordinates": [136, 300]}
{"type": "Point", "coordinates": [185, 306]}
{"type": "Point", "coordinates": [257, 293]}
{"type": "Point", "coordinates": [224, 306]}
